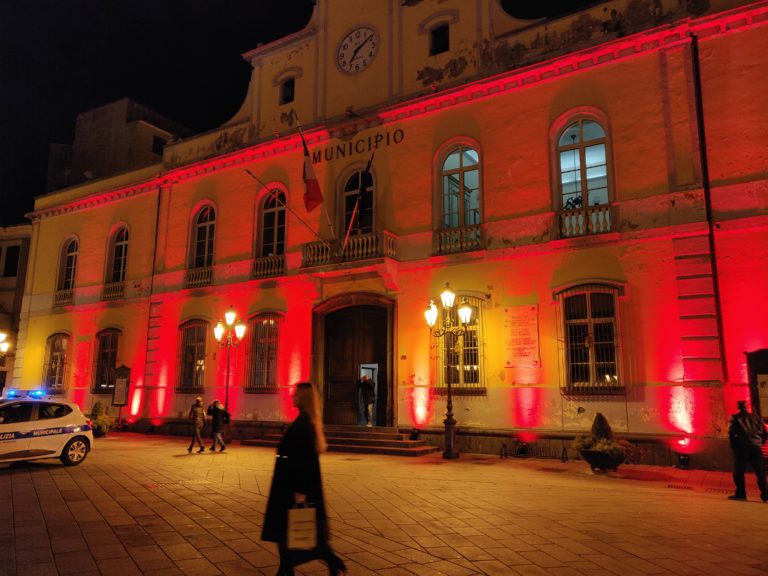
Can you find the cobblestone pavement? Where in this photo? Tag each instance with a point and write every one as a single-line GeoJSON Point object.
{"type": "Point", "coordinates": [142, 505]}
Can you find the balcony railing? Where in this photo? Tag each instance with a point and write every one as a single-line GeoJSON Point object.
{"type": "Point", "coordinates": [584, 221]}
{"type": "Point", "coordinates": [113, 291]}
{"type": "Point", "coordinates": [63, 297]}
{"type": "Point", "coordinates": [454, 240]}
{"type": "Point", "coordinates": [268, 266]}
{"type": "Point", "coordinates": [197, 277]}
{"type": "Point", "coordinates": [359, 247]}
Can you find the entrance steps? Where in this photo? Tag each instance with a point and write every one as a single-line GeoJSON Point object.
{"type": "Point", "coordinates": [361, 440]}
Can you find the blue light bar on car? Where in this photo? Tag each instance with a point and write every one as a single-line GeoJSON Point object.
{"type": "Point", "coordinates": [36, 393]}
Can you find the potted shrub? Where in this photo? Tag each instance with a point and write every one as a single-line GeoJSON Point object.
{"type": "Point", "coordinates": [601, 450]}
{"type": "Point", "coordinates": [100, 420]}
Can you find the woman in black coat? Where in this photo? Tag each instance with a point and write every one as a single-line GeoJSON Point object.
{"type": "Point", "coordinates": [297, 480]}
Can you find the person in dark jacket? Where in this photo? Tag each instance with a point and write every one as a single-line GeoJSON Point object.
{"type": "Point", "coordinates": [367, 393]}
{"type": "Point", "coordinates": [197, 416]}
{"type": "Point", "coordinates": [219, 417]}
{"type": "Point", "coordinates": [747, 435]}
{"type": "Point", "coordinates": [297, 480]}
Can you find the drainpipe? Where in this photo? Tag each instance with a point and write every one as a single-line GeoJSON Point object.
{"type": "Point", "coordinates": [711, 225]}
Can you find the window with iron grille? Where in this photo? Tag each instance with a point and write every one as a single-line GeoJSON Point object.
{"type": "Point", "coordinates": [591, 339]}
{"type": "Point", "coordinates": [118, 256]}
{"type": "Point", "coordinates": [205, 228]}
{"type": "Point", "coordinates": [273, 224]}
{"type": "Point", "coordinates": [460, 179]}
{"type": "Point", "coordinates": [458, 358]}
{"type": "Point", "coordinates": [56, 367]}
{"type": "Point", "coordinates": [68, 266]}
{"type": "Point", "coordinates": [192, 339]}
{"type": "Point", "coordinates": [583, 165]}
{"type": "Point", "coordinates": [106, 360]}
{"type": "Point", "coordinates": [261, 353]}
{"type": "Point", "coordinates": [364, 216]}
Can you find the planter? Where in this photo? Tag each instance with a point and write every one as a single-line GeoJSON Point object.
{"type": "Point", "coordinates": [599, 460]}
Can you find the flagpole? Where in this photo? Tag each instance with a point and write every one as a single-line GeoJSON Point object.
{"type": "Point", "coordinates": [324, 209]}
{"type": "Point", "coordinates": [271, 192]}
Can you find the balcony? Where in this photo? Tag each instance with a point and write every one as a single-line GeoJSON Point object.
{"type": "Point", "coordinates": [359, 247]}
{"type": "Point", "coordinates": [585, 221]}
{"type": "Point", "coordinates": [113, 291]}
{"type": "Point", "coordinates": [63, 297]}
{"type": "Point", "coordinates": [462, 239]}
{"type": "Point", "coordinates": [268, 266]}
{"type": "Point", "coordinates": [197, 277]}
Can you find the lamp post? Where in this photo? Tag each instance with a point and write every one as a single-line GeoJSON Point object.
{"type": "Point", "coordinates": [448, 325]}
{"type": "Point", "coordinates": [229, 334]}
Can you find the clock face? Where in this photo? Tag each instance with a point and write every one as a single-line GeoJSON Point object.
{"type": "Point", "coordinates": [357, 50]}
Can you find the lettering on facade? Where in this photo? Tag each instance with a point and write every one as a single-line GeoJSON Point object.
{"type": "Point", "coordinates": [358, 146]}
{"type": "Point", "coordinates": [521, 331]}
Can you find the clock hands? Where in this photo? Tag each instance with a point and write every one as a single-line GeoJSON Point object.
{"type": "Point", "coordinates": [354, 54]}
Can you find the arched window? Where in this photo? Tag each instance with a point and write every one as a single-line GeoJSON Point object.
{"type": "Point", "coordinates": [459, 355]}
{"type": "Point", "coordinates": [362, 195]}
{"type": "Point", "coordinates": [204, 232]}
{"type": "Point", "coordinates": [118, 256]}
{"type": "Point", "coordinates": [193, 336]}
{"type": "Point", "coordinates": [583, 165]}
{"type": "Point", "coordinates": [590, 338]}
{"type": "Point", "coordinates": [273, 224]}
{"type": "Point", "coordinates": [56, 367]}
{"type": "Point", "coordinates": [68, 265]}
{"type": "Point", "coordinates": [107, 342]}
{"type": "Point", "coordinates": [460, 178]}
{"type": "Point", "coordinates": [261, 352]}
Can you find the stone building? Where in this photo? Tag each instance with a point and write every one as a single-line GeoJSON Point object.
{"type": "Point", "coordinates": [592, 187]}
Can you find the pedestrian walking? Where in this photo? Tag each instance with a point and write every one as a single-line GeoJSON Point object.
{"type": "Point", "coordinates": [367, 394]}
{"type": "Point", "coordinates": [197, 417]}
{"type": "Point", "coordinates": [297, 481]}
{"type": "Point", "coordinates": [747, 435]}
{"type": "Point", "coordinates": [219, 418]}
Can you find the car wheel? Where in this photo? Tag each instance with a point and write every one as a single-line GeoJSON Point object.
{"type": "Point", "coordinates": [74, 452]}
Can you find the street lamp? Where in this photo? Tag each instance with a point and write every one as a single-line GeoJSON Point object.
{"type": "Point", "coordinates": [448, 325]}
{"type": "Point", "coordinates": [229, 334]}
{"type": "Point", "coordinates": [4, 344]}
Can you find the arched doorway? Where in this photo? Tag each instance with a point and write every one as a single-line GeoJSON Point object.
{"type": "Point", "coordinates": [353, 335]}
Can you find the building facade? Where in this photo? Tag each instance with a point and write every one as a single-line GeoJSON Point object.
{"type": "Point", "coordinates": [14, 250]}
{"type": "Point", "coordinates": [593, 188]}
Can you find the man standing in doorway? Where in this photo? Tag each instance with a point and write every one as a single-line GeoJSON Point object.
{"type": "Point", "coordinates": [747, 435]}
{"type": "Point", "coordinates": [367, 394]}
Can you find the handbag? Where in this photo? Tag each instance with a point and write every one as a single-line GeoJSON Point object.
{"type": "Point", "coordinates": [302, 528]}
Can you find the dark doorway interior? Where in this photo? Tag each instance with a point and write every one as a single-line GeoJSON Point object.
{"type": "Point", "coordinates": [354, 336]}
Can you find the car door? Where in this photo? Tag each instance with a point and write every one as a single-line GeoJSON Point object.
{"type": "Point", "coordinates": [15, 430]}
{"type": "Point", "coordinates": [52, 429]}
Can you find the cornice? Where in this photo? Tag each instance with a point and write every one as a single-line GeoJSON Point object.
{"type": "Point", "coordinates": [638, 44]}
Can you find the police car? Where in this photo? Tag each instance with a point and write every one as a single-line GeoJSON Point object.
{"type": "Point", "coordinates": [33, 427]}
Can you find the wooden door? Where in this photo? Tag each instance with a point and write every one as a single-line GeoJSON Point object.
{"type": "Point", "coordinates": [353, 336]}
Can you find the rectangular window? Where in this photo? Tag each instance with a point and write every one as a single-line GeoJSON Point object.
{"type": "Point", "coordinates": [56, 364]}
{"type": "Point", "coordinates": [158, 144]}
{"type": "Point", "coordinates": [591, 340]}
{"type": "Point", "coordinates": [106, 361]}
{"type": "Point", "coordinates": [439, 39]}
{"type": "Point", "coordinates": [11, 264]}
{"type": "Point", "coordinates": [261, 354]}
{"type": "Point", "coordinates": [287, 91]}
{"type": "Point", "coordinates": [192, 355]}
{"type": "Point", "coordinates": [458, 354]}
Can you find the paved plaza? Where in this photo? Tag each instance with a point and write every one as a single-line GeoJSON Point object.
{"type": "Point", "coordinates": [142, 505]}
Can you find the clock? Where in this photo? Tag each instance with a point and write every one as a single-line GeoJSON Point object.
{"type": "Point", "coordinates": [357, 50]}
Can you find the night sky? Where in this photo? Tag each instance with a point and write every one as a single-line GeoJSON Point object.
{"type": "Point", "coordinates": [180, 58]}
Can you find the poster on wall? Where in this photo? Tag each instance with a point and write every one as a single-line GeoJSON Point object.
{"type": "Point", "coordinates": [120, 392]}
{"type": "Point", "coordinates": [521, 331]}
